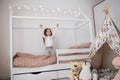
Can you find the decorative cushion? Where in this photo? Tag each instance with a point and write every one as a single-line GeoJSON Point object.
{"type": "Point", "coordinates": [81, 45]}
{"type": "Point", "coordinates": [84, 45]}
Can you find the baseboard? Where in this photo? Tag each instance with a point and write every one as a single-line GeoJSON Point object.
{"type": "Point", "coordinates": [4, 76]}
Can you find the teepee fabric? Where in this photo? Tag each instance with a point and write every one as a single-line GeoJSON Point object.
{"type": "Point", "coordinates": [108, 33]}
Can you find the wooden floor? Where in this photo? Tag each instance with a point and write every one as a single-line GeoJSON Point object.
{"type": "Point", "coordinates": [4, 79]}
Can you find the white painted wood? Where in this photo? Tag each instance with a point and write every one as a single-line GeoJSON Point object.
{"type": "Point", "coordinates": [20, 70]}
{"type": "Point", "coordinates": [73, 57]}
{"type": "Point", "coordinates": [11, 46]}
{"type": "Point", "coordinates": [40, 76]}
{"type": "Point", "coordinates": [47, 18]}
{"type": "Point", "coordinates": [63, 73]}
{"type": "Point", "coordinates": [81, 24]}
{"type": "Point", "coordinates": [67, 51]}
{"type": "Point", "coordinates": [26, 27]}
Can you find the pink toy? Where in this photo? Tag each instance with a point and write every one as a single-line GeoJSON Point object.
{"type": "Point", "coordinates": [116, 63]}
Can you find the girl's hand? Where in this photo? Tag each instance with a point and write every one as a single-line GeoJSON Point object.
{"type": "Point", "coordinates": [41, 25]}
{"type": "Point", "coordinates": [57, 25]}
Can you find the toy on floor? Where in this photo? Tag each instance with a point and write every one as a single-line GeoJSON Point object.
{"type": "Point", "coordinates": [75, 70]}
{"type": "Point", "coordinates": [116, 63]}
{"type": "Point", "coordinates": [105, 78]}
{"type": "Point", "coordinates": [94, 74]}
{"type": "Point", "coordinates": [85, 73]}
{"type": "Point", "coordinates": [105, 74]}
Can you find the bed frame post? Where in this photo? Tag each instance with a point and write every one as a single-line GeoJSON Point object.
{"type": "Point", "coordinates": [57, 56]}
{"type": "Point", "coordinates": [11, 47]}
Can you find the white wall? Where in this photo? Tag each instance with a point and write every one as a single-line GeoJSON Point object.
{"type": "Point", "coordinates": [113, 13]}
{"type": "Point", "coordinates": [4, 39]}
{"type": "Point", "coordinates": [83, 33]}
{"type": "Point", "coordinates": [4, 24]}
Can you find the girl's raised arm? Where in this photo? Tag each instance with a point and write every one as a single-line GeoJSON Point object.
{"type": "Point", "coordinates": [56, 28]}
{"type": "Point", "coordinates": [42, 32]}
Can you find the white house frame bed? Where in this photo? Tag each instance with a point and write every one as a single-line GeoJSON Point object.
{"type": "Point", "coordinates": [58, 70]}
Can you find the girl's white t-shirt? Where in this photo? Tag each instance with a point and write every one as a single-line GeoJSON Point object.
{"type": "Point", "coordinates": [48, 41]}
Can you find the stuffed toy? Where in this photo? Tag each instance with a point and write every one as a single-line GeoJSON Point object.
{"type": "Point", "coordinates": [94, 74]}
{"type": "Point", "coordinates": [86, 73]}
{"type": "Point", "coordinates": [75, 70]}
{"type": "Point", "coordinates": [116, 63]}
{"type": "Point", "coordinates": [105, 78]}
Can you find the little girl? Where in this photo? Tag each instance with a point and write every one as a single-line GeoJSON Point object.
{"type": "Point", "coordinates": [48, 36]}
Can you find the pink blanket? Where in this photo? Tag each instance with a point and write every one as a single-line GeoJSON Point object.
{"type": "Point", "coordinates": [29, 60]}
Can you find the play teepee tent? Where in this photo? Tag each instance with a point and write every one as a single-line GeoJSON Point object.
{"type": "Point", "coordinates": [109, 34]}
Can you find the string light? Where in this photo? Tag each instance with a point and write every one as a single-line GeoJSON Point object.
{"type": "Point", "coordinates": [76, 12]}
{"type": "Point", "coordinates": [47, 11]}
{"type": "Point", "coordinates": [42, 9]}
{"type": "Point", "coordinates": [10, 7]}
{"type": "Point", "coordinates": [25, 6]}
{"type": "Point", "coordinates": [53, 11]}
{"type": "Point", "coordinates": [34, 9]}
{"type": "Point", "coordinates": [18, 7]}
{"type": "Point", "coordinates": [76, 15]}
{"type": "Point", "coordinates": [58, 9]}
{"type": "Point", "coordinates": [69, 10]}
{"type": "Point", "coordinates": [79, 14]}
{"type": "Point", "coordinates": [40, 6]}
{"type": "Point", "coordinates": [65, 12]}
{"type": "Point", "coordinates": [28, 8]}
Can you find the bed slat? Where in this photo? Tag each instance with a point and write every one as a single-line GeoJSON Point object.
{"type": "Point", "coordinates": [68, 55]}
